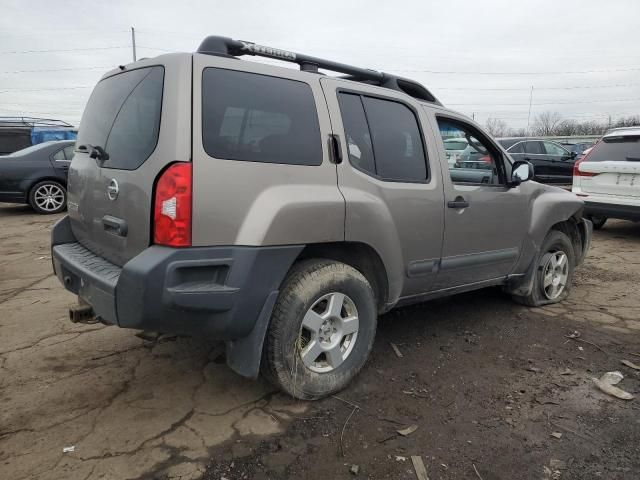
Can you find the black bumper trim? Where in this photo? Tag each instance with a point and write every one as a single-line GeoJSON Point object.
{"type": "Point", "coordinates": [208, 291]}
{"type": "Point", "coordinates": [612, 210]}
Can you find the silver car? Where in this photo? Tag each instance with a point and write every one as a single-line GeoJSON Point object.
{"type": "Point", "coordinates": [282, 211]}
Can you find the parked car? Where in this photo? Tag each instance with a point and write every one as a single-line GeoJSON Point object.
{"type": "Point", "coordinates": [552, 162]}
{"type": "Point", "coordinates": [17, 133]}
{"type": "Point", "coordinates": [225, 198]}
{"type": "Point", "coordinates": [577, 148]}
{"type": "Point", "coordinates": [608, 177]}
{"type": "Point", "coordinates": [37, 175]}
{"type": "Point", "coordinates": [454, 148]}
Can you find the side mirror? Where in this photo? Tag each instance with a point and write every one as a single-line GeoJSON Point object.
{"type": "Point", "coordinates": [521, 172]}
{"type": "Point", "coordinates": [573, 155]}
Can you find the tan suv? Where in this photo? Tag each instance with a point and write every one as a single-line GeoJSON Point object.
{"type": "Point", "coordinates": [282, 210]}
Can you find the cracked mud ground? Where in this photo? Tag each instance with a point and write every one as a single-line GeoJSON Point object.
{"type": "Point", "coordinates": [486, 382]}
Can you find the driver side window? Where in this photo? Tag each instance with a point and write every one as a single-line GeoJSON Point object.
{"type": "Point", "coordinates": [470, 157]}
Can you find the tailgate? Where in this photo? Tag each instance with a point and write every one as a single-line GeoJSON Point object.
{"type": "Point", "coordinates": [614, 165]}
{"type": "Point", "coordinates": [141, 118]}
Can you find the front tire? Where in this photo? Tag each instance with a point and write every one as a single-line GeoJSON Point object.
{"type": "Point", "coordinates": [554, 271]}
{"type": "Point", "coordinates": [321, 331]}
{"type": "Point", "coordinates": [48, 197]}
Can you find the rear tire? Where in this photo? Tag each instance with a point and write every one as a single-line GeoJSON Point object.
{"type": "Point", "coordinates": [48, 197]}
{"type": "Point", "coordinates": [598, 222]}
{"type": "Point", "coordinates": [554, 272]}
{"type": "Point", "coordinates": [321, 331]}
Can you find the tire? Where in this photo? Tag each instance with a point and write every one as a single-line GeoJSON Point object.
{"type": "Point", "coordinates": [48, 197]}
{"type": "Point", "coordinates": [554, 246]}
{"type": "Point", "coordinates": [598, 222]}
{"type": "Point", "coordinates": [310, 364]}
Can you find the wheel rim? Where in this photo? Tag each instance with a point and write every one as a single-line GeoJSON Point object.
{"type": "Point", "coordinates": [49, 197]}
{"type": "Point", "coordinates": [328, 333]}
{"type": "Point", "coordinates": [554, 274]}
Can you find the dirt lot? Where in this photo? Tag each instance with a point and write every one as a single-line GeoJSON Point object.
{"type": "Point", "coordinates": [485, 381]}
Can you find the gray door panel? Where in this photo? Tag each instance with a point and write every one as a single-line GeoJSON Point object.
{"type": "Point", "coordinates": [401, 221]}
{"type": "Point", "coordinates": [240, 202]}
{"type": "Point", "coordinates": [483, 240]}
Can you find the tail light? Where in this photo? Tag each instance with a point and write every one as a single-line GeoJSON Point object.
{"type": "Point", "coordinates": [576, 165]}
{"type": "Point", "coordinates": [172, 206]}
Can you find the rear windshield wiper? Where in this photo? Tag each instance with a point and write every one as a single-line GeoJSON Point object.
{"type": "Point", "coordinates": [96, 152]}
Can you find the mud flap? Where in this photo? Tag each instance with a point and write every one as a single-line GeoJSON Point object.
{"type": "Point", "coordinates": [244, 354]}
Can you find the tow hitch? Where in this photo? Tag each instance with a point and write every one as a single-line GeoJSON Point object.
{"type": "Point", "coordinates": [82, 313]}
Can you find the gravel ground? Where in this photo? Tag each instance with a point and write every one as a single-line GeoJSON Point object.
{"type": "Point", "coordinates": [486, 382]}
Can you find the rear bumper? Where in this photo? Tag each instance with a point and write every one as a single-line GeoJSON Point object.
{"type": "Point", "coordinates": [612, 210]}
{"type": "Point", "coordinates": [222, 292]}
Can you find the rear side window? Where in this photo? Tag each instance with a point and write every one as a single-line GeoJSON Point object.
{"type": "Point", "coordinates": [123, 117]}
{"type": "Point", "coordinates": [534, 147]}
{"type": "Point", "coordinates": [59, 155]}
{"type": "Point", "coordinates": [616, 149]}
{"type": "Point", "coordinates": [257, 118]}
{"type": "Point", "coordinates": [383, 138]}
{"type": "Point", "coordinates": [554, 149]}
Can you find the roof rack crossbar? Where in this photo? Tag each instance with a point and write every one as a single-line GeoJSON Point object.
{"type": "Point", "coordinates": [224, 46]}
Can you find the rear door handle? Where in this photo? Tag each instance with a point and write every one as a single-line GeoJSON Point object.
{"type": "Point", "coordinates": [115, 225]}
{"type": "Point", "coordinates": [459, 202]}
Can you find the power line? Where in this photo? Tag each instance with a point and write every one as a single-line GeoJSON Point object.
{"type": "Point", "coordinates": [575, 72]}
{"type": "Point", "coordinates": [523, 89]}
{"type": "Point", "coordinates": [551, 103]}
{"type": "Point", "coordinates": [57, 69]}
{"type": "Point", "coordinates": [6, 52]}
{"type": "Point", "coordinates": [11, 90]}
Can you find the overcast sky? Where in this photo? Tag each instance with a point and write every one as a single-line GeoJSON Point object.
{"type": "Point", "coordinates": [479, 57]}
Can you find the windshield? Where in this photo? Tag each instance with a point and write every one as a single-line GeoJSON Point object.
{"type": "Point", "coordinates": [123, 117]}
{"type": "Point", "coordinates": [617, 149]}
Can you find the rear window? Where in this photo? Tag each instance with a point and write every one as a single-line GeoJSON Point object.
{"type": "Point", "coordinates": [123, 117]}
{"type": "Point", "coordinates": [616, 149]}
{"type": "Point", "coordinates": [257, 118]}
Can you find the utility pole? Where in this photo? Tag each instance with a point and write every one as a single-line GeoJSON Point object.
{"type": "Point", "coordinates": [133, 42]}
{"type": "Point", "coordinates": [530, 103]}
{"type": "Point", "coordinates": [609, 126]}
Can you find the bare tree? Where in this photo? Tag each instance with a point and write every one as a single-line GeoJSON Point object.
{"type": "Point", "coordinates": [566, 128]}
{"type": "Point", "coordinates": [546, 123]}
{"type": "Point", "coordinates": [517, 132]}
{"type": "Point", "coordinates": [631, 121]}
{"type": "Point", "coordinates": [496, 127]}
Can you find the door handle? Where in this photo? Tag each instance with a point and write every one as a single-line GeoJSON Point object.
{"type": "Point", "coordinates": [334, 147]}
{"type": "Point", "coordinates": [459, 202]}
{"type": "Point", "coordinates": [115, 225]}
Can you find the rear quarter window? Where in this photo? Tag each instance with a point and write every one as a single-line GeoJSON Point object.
{"type": "Point", "coordinates": [258, 118]}
{"type": "Point", "coordinates": [123, 117]}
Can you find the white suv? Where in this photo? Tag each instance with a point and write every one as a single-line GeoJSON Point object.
{"type": "Point", "coordinates": [608, 177]}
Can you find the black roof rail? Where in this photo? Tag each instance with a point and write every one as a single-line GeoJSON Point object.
{"type": "Point", "coordinates": [32, 122]}
{"type": "Point", "coordinates": [227, 47]}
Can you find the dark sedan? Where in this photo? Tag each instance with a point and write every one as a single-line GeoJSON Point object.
{"type": "Point", "coordinates": [37, 175]}
{"type": "Point", "coordinates": [552, 162]}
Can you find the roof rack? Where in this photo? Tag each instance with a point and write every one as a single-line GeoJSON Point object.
{"type": "Point", "coordinates": [33, 122]}
{"type": "Point", "coordinates": [227, 47]}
